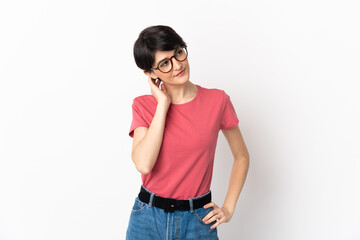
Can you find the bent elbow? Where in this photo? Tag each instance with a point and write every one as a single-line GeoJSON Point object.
{"type": "Point", "coordinates": [143, 170]}
{"type": "Point", "coordinates": [140, 168]}
{"type": "Point", "coordinates": [141, 164]}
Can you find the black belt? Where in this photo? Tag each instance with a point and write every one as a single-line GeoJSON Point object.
{"type": "Point", "coordinates": [171, 204]}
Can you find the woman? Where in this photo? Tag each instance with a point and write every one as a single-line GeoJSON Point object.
{"type": "Point", "coordinates": [175, 130]}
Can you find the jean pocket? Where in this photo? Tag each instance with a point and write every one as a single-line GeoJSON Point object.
{"type": "Point", "coordinates": [138, 206]}
{"type": "Point", "coordinates": [200, 213]}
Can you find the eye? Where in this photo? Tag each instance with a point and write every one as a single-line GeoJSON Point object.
{"type": "Point", "coordinates": [164, 63]}
{"type": "Point", "coordinates": [179, 52]}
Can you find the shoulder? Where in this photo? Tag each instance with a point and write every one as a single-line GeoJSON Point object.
{"type": "Point", "coordinates": [145, 100]}
{"type": "Point", "coordinates": [216, 97]}
{"type": "Point", "coordinates": [216, 93]}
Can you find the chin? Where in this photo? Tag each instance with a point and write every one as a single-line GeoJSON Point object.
{"type": "Point", "coordinates": [185, 78]}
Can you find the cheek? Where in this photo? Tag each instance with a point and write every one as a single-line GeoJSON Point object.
{"type": "Point", "coordinates": [187, 65]}
{"type": "Point", "coordinates": [165, 78]}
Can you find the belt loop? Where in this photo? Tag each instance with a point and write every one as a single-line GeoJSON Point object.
{"type": "Point", "coordinates": [151, 199]}
{"type": "Point", "coordinates": [191, 204]}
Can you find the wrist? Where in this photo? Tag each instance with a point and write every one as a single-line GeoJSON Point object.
{"type": "Point", "coordinates": [229, 209]}
{"type": "Point", "coordinates": [163, 105]}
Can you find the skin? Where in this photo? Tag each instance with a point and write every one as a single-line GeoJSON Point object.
{"type": "Point", "coordinates": [174, 89]}
{"type": "Point", "coordinates": [180, 90]}
{"type": "Point", "coordinates": [237, 179]}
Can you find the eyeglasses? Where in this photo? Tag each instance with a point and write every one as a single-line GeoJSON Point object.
{"type": "Point", "coordinates": [166, 65]}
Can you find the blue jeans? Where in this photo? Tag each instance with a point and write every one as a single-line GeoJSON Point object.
{"type": "Point", "coordinates": [149, 222]}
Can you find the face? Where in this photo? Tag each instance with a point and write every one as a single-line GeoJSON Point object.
{"type": "Point", "coordinates": [170, 77]}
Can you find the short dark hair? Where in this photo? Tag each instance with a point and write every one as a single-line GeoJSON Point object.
{"type": "Point", "coordinates": [152, 39]}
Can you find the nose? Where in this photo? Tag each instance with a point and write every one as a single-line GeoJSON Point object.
{"type": "Point", "coordinates": [176, 64]}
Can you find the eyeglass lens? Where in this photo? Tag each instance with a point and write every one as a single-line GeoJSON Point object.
{"type": "Point", "coordinates": [166, 64]}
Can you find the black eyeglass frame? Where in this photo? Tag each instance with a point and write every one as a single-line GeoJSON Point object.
{"type": "Point", "coordinates": [183, 47]}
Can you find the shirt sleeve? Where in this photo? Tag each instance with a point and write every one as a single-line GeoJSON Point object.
{"type": "Point", "coordinates": [137, 118]}
{"type": "Point", "coordinates": [229, 117]}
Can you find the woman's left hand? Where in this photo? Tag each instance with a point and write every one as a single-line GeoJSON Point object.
{"type": "Point", "coordinates": [219, 214]}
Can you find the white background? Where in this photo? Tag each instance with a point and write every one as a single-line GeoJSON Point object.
{"type": "Point", "coordinates": [68, 78]}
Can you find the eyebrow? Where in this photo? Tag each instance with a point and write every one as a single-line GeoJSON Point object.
{"type": "Point", "coordinates": [166, 58]}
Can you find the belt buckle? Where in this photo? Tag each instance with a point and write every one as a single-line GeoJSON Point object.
{"type": "Point", "coordinates": [170, 205]}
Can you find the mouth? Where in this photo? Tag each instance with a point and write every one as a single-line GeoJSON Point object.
{"type": "Point", "coordinates": [180, 73]}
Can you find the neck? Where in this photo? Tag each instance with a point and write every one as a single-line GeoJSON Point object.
{"type": "Point", "coordinates": [181, 93]}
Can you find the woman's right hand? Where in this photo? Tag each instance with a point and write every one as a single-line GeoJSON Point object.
{"type": "Point", "coordinates": [161, 95]}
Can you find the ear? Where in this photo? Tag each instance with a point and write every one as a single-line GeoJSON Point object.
{"type": "Point", "coordinates": [151, 74]}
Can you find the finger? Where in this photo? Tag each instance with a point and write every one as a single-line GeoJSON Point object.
{"type": "Point", "coordinates": [209, 216]}
{"type": "Point", "coordinates": [150, 79]}
{"type": "Point", "coordinates": [210, 204]}
{"type": "Point", "coordinates": [163, 88]}
{"type": "Point", "coordinates": [217, 215]}
{"type": "Point", "coordinates": [211, 219]}
{"type": "Point", "coordinates": [153, 84]}
{"type": "Point", "coordinates": [217, 223]}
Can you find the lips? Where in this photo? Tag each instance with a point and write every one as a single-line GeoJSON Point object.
{"type": "Point", "coordinates": [180, 73]}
